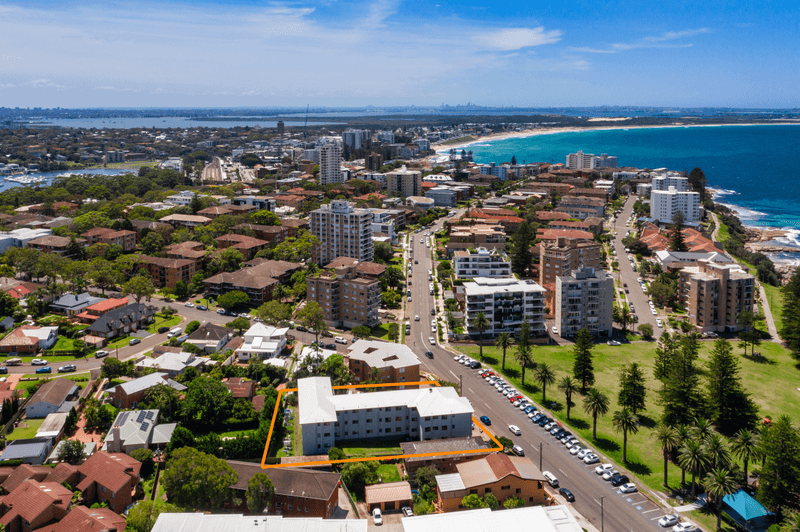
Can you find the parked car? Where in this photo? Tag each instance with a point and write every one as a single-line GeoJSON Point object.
{"type": "Point", "coordinates": [3, 370]}
{"type": "Point", "coordinates": [432, 340]}
{"type": "Point", "coordinates": [564, 492]}
{"type": "Point", "coordinates": [591, 458]}
{"type": "Point", "coordinates": [190, 305]}
{"type": "Point", "coordinates": [162, 330]}
{"type": "Point", "coordinates": [100, 354]}
{"type": "Point", "coordinates": [519, 451]}
{"type": "Point", "coordinates": [330, 346]}
{"type": "Point", "coordinates": [515, 430]}
{"type": "Point", "coordinates": [575, 449]}
{"type": "Point", "coordinates": [46, 369]}
{"type": "Point", "coordinates": [202, 307]}
{"type": "Point", "coordinates": [614, 342]}
{"type": "Point", "coordinates": [685, 527]}
{"type": "Point", "coordinates": [135, 341]}
{"type": "Point", "coordinates": [550, 478]}
{"type": "Point", "coordinates": [622, 479]}
{"type": "Point", "coordinates": [340, 340]}
{"type": "Point", "coordinates": [669, 520]}
{"type": "Point", "coordinates": [485, 420]}
{"type": "Point", "coordinates": [603, 468]}
{"type": "Point", "coordinates": [301, 328]}
{"type": "Point", "coordinates": [377, 518]}
{"type": "Point", "coordinates": [38, 362]}
{"type": "Point", "coordinates": [474, 364]}
{"type": "Point", "coordinates": [67, 368]}
{"type": "Point", "coordinates": [630, 487]}
{"type": "Point", "coordinates": [582, 454]}
{"type": "Point", "coordinates": [608, 475]}
{"type": "Point", "coordinates": [221, 311]}
{"type": "Point", "coordinates": [408, 512]}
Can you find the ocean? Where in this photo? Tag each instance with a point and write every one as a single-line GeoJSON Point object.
{"type": "Point", "coordinates": [750, 168]}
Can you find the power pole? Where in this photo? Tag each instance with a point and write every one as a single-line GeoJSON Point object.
{"type": "Point", "coordinates": [540, 455]}
{"type": "Point", "coordinates": [602, 524]}
{"type": "Point", "coordinates": [460, 385]}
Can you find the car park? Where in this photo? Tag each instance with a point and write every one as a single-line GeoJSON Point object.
{"type": "Point", "coordinates": [630, 487]}
{"type": "Point", "coordinates": [519, 451]}
{"type": "Point", "coordinates": [669, 520]}
{"type": "Point", "coordinates": [622, 479]}
{"type": "Point", "coordinates": [515, 430]}
{"type": "Point", "coordinates": [46, 369]}
{"type": "Point", "coordinates": [67, 368]}
{"type": "Point", "coordinates": [564, 492]}
{"type": "Point", "coordinates": [38, 362]}
{"type": "Point", "coordinates": [485, 420]}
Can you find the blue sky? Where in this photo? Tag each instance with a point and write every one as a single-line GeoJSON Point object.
{"type": "Point", "coordinates": [392, 52]}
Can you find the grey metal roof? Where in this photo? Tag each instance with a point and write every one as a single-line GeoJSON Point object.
{"type": "Point", "coordinates": [73, 300]}
{"type": "Point", "coordinates": [21, 449]}
{"type": "Point", "coordinates": [451, 482]}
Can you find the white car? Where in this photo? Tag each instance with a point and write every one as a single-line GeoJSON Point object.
{"type": "Point", "coordinates": [555, 329]}
{"type": "Point", "coordinates": [575, 449]}
{"type": "Point", "coordinates": [591, 458]}
{"type": "Point", "coordinates": [38, 362]}
{"type": "Point", "coordinates": [669, 520]}
{"type": "Point", "coordinates": [416, 318]}
{"type": "Point", "coordinates": [684, 527]}
{"type": "Point", "coordinates": [630, 487]}
{"type": "Point", "coordinates": [190, 305]}
{"type": "Point", "coordinates": [583, 452]}
{"type": "Point", "coordinates": [377, 518]}
{"type": "Point", "coordinates": [515, 430]}
{"type": "Point", "coordinates": [523, 404]}
{"type": "Point", "coordinates": [340, 340]}
{"type": "Point", "coordinates": [572, 444]}
{"type": "Point", "coordinates": [655, 313]}
{"type": "Point", "coordinates": [614, 342]}
{"type": "Point", "coordinates": [532, 413]}
{"type": "Point", "coordinates": [602, 468]}
{"type": "Point", "coordinates": [432, 340]}
{"type": "Point", "coordinates": [659, 322]}
{"type": "Point", "coordinates": [608, 475]}
{"type": "Point", "coordinates": [550, 426]}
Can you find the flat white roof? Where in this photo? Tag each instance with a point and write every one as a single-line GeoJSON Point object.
{"type": "Point", "coordinates": [538, 518]}
{"type": "Point", "coordinates": [383, 354]}
{"type": "Point", "coordinates": [194, 522]}
{"type": "Point", "coordinates": [487, 286]}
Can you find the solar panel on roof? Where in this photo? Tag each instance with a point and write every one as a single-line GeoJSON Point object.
{"type": "Point", "coordinates": [144, 426]}
{"type": "Point", "coordinates": [149, 414]}
{"type": "Point", "coordinates": [140, 417]}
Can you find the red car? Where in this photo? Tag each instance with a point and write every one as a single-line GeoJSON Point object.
{"type": "Point", "coordinates": [515, 398]}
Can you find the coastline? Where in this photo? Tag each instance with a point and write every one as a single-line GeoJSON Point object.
{"type": "Point", "coordinates": [535, 132]}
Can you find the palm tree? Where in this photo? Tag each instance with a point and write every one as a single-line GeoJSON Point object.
{"type": "Point", "coordinates": [625, 317]}
{"type": "Point", "coordinates": [595, 404]}
{"type": "Point", "coordinates": [746, 446]}
{"type": "Point", "coordinates": [568, 386]}
{"type": "Point", "coordinates": [683, 434]}
{"type": "Point", "coordinates": [719, 455]}
{"type": "Point", "coordinates": [279, 292]}
{"type": "Point", "coordinates": [545, 375]}
{"type": "Point", "coordinates": [481, 322]}
{"type": "Point", "coordinates": [719, 483]}
{"type": "Point", "coordinates": [693, 456]}
{"type": "Point", "coordinates": [625, 421]}
{"type": "Point", "coordinates": [504, 341]}
{"type": "Point", "coordinates": [668, 440]}
{"type": "Point", "coordinates": [524, 357]}
{"type": "Point", "coordinates": [791, 523]}
{"type": "Point", "coordinates": [702, 429]}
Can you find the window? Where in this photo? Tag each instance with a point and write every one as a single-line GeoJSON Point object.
{"type": "Point", "coordinates": [505, 487]}
{"type": "Point", "coordinates": [473, 492]}
{"type": "Point", "coordinates": [306, 509]}
{"type": "Point", "coordinates": [369, 421]}
{"type": "Point", "coordinates": [327, 434]}
{"type": "Point", "coordinates": [530, 499]}
{"type": "Point", "coordinates": [290, 508]}
{"type": "Point", "coordinates": [487, 490]}
{"type": "Point", "coordinates": [519, 490]}
{"type": "Point", "coordinates": [103, 489]}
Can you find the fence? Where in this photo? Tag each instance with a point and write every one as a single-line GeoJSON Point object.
{"type": "Point", "coordinates": [350, 498]}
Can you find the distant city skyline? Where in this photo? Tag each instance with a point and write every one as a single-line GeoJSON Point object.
{"type": "Point", "coordinates": [393, 53]}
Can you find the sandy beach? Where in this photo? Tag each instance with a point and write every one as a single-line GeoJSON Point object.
{"type": "Point", "coordinates": [494, 137]}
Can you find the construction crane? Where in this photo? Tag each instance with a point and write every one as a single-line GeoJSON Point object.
{"type": "Point", "coordinates": [306, 124]}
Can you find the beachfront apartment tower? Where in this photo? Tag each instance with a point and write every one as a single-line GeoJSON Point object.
{"type": "Point", "coordinates": [342, 231]}
{"type": "Point", "coordinates": [665, 203]}
{"type": "Point", "coordinates": [714, 295]}
{"type": "Point", "coordinates": [330, 161]}
{"type": "Point", "coordinates": [670, 179]}
{"type": "Point", "coordinates": [404, 182]}
{"type": "Point", "coordinates": [506, 303]}
{"type": "Point", "coordinates": [584, 300]}
{"type": "Point", "coordinates": [580, 161]}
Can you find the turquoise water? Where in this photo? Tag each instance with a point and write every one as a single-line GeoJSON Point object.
{"type": "Point", "coordinates": [752, 167]}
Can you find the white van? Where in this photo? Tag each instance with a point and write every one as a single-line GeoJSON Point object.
{"type": "Point", "coordinates": [174, 332]}
{"type": "Point", "coordinates": [551, 479]}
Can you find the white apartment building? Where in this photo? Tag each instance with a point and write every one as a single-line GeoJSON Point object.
{"type": "Point", "coordinates": [262, 341]}
{"type": "Point", "coordinates": [184, 198]}
{"type": "Point", "coordinates": [605, 160]}
{"type": "Point", "coordinates": [355, 138]}
{"type": "Point", "coordinates": [420, 414]}
{"type": "Point", "coordinates": [500, 172]}
{"type": "Point", "coordinates": [585, 300]}
{"type": "Point", "coordinates": [674, 180]}
{"type": "Point", "coordinates": [506, 303]}
{"type": "Point", "coordinates": [580, 161]}
{"type": "Point", "coordinates": [404, 182]}
{"type": "Point", "coordinates": [482, 262]}
{"type": "Point", "coordinates": [644, 189]}
{"type": "Point", "coordinates": [665, 203]}
{"type": "Point", "coordinates": [172, 163]}
{"type": "Point", "coordinates": [386, 137]}
{"type": "Point", "coordinates": [424, 144]}
{"type": "Point", "coordinates": [330, 161]}
{"type": "Point", "coordinates": [19, 238]}
{"type": "Point", "coordinates": [310, 154]}
{"type": "Point", "coordinates": [343, 231]}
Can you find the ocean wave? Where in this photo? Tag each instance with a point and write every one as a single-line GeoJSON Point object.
{"type": "Point", "coordinates": [791, 238]}
{"type": "Point", "coordinates": [717, 192]}
{"type": "Point", "coordinates": [744, 213]}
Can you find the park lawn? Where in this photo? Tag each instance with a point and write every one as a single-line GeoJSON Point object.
{"type": "Point", "coordinates": [122, 341]}
{"type": "Point", "coordinates": [722, 235]}
{"type": "Point", "coordinates": [64, 344]}
{"type": "Point", "coordinates": [359, 449]}
{"type": "Point", "coordinates": [771, 383]}
{"type": "Point", "coordinates": [21, 433]}
{"type": "Point", "coordinates": [162, 321]}
{"type": "Point", "coordinates": [775, 301]}
{"type": "Point", "coordinates": [388, 473]}
{"type": "Point", "coordinates": [381, 332]}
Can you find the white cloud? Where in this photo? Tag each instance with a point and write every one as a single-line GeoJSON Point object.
{"type": "Point", "coordinates": [516, 38]}
{"type": "Point", "coordinates": [664, 40]}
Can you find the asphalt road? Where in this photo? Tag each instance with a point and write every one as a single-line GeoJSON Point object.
{"type": "Point", "coordinates": [621, 512]}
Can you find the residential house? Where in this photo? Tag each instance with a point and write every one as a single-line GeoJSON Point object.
{"type": "Point", "coordinates": [30, 450]}
{"type": "Point", "coordinates": [262, 341]}
{"type": "Point", "coordinates": [81, 519]}
{"type": "Point", "coordinates": [59, 245]}
{"type": "Point", "coordinates": [73, 304]}
{"type": "Point", "coordinates": [298, 492]}
{"type": "Point", "coordinates": [241, 388]}
{"type": "Point", "coordinates": [187, 221]}
{"type": "Point", "coordinates": [247, 245]}
{"type": "Point", "coordinates": [130, 393]}
{"type": "Point", "coordinates": [13, 477]}
{"type": "Point", "coordinates": [109, 478]}
{"type": "Point", "coordinates": [123, 320]}
{"type": "Point", "coordinates": [500, 474]}
{"type": "Point", "coordinates": [210, 338]}
{"type": "Point", "coordinates": [33, 505]}
{"type": "Point", "coordinates": [173, 364]}
{"type": "Point", "coordinates": [444, 455]}
{"type": "Point", "coordinates": [387, 497]}
{"type": "Point", "coordinates": [92, 312]}
{"type": "Point", "coordinates": [137, 429]}
{"type": "Point", "coordinates": [383, 362]}
{"type": "Point", "coordinates": [50, 397]}
{"type": "Point", "coordinates": [29, 340]}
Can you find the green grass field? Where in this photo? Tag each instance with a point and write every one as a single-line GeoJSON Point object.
{"type": "Point", "coordinates": [772, 384]}
{"type": "Point", "coordinates": [21, 433]}
{"type": "Point", "coordinates": [372, 448]}
{"type": "Point", "coordinates": [161, 321]}
{"type": "Point", "coordinates": [388, 473]}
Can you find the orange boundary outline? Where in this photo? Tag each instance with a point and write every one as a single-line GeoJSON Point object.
{"type": "Point", "coordinates": [369, 459]}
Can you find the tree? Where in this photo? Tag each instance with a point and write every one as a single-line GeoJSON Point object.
{"type": "Point", "coordinates": [667, 440]}
{"type": "Point", "coordinates": [313, 317]}
{"type": "Point", "coordinates": [181, 290]}
{"type": "Point", "coordinates": [720, 483]}
{"type": "Point", "coordinates": [647, 331]}
{"type": "Point", "coordinates": [259, 493]}
{"type": "Point", "coordinates": [595, 404]}
{"type": "Point", "coordinates": [145, 457]}
{"type": "Point", "coordinates": [382, 252]}
{"type": "Point", "coordinates": [749, 335]}
{"type": "Point", "coordinates": [71, 452]}
{"type": "Point", "coordinates": [677, 242]}
{"type": "Point", "coordinates": [717, 450]}
{"type": "Point", "coordinates": [192, 326]}
{"type": "Point", "coordinates": [693, 456]}
{"type": "Point", "coordinates": [181, 437]}
{"type": "Point", "coordinates": [524, 357]}
{"type": "Point", "coordinates": [625, 421]}
{"type": "Point", "coordinates": [583, 368]}
{"type": "Point", "coordinates": [423, 507]}
{"type": "Point", "coordinates": [731, 407]}
{"type": "Point", "coordinates": [393, 276]}
{"type": "Point", "coordinates": [697, 181]}
{"type": "Point", "coordinates": [140, 287]}
{"type": "Point", "coordinates": [143, 516]}
{"type": "Point", "coordinates": [504, 341]}
{"type": "Point", "coordinates": [746, 446]}
{"type": "Point", "coordinates": [568, 387]}
{"type": "Point", "coordinates": [681, 397]}
{"type": "Point", "coordinates": [207, 402]}
{"type": "Point", "coordinates": [153, 243]}
{"type": "Point", "coordinates": [361, 331]}
{"type": "Point", "coordinates": [790, 332]}
{"type": "Point", "coordinates": [196, 480]}
{"type": "Point", "coordinates": [357, 475]}
{"type": "Point", "coordinates": [663, 359]}
{"type": "Point", "coordinates": [545, 375]}
{"type": "Point", "coordinates": [632, 390]}
{"type": "Point", "coordinates": [232, 299]}
{"type": "Point", "coordinates": [790, 524]}
{"type": "Point", "coordinates": [426, 476]}
{"type": "Point", "coordinates": [481, 323]}
{"type": "Point", "coordinates": [473, 501]}
{"type": "Point", "coordinates": [113, 368]}
{"type": "Point", "coordinates": [521, 243]}
{"type": "Point", "coordinates": [491, 501]}
{"type": "Point", "coordinates": [513, 502]}
{"type": "Point", "coordinates": [779, 480]}
{"type": "Point", "coordinates": [265, 217]}
{"type": "Point", "coordinates": [239, 324]}
{"type": "Point", "coordinates": [164, 398]}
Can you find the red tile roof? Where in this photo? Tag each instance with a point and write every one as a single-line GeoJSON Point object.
{"type": "Point", "coordinates": [552, 234]}
{"type": "Point", "coordinates": [114, 471]}
{"type": "Point", "coordinates": [32, 500]}
{"type": "Point", "coordinates": [108, 304]}
{"type": "Point", "coordinates": [83, 519]}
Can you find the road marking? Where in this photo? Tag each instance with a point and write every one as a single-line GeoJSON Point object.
{"type": "Point", "coordinates": [562, 472]}
{"type": "Point", "coordinates": [470, 390]}
{"type": "Point", "coordinates": [454, 375]}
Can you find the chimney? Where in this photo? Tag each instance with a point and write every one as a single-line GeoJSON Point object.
{"type": "Point", "coordinates": [116, 445]}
